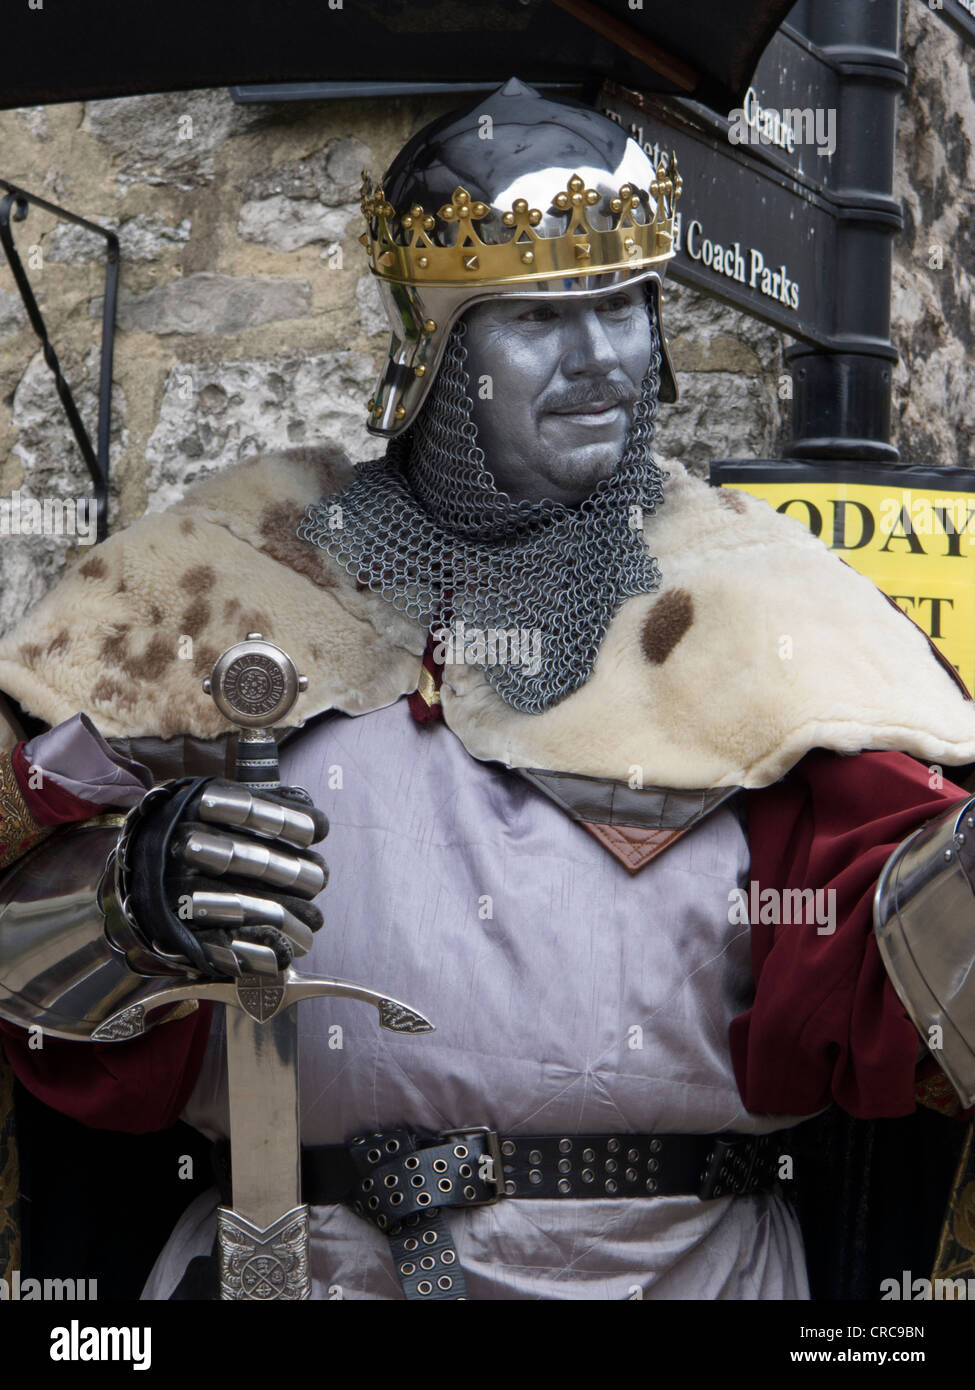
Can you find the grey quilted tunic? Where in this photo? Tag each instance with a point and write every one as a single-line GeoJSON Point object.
{"type": "Point", "coordinates": [568, 998]}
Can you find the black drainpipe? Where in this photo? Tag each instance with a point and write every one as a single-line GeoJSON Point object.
{"type": "Point", "coordinates": [841, 395]}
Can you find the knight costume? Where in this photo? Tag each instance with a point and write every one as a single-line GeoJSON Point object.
{"type": "Point", "coordinates": [574, 865]}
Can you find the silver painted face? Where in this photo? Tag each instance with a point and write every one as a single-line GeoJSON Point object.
{"type": "Point", "coordinates": [554, 381]}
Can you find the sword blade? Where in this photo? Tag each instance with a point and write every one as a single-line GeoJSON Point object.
{"type": "Point", "coordinates": [262, 1063]}
{"type": "Point", "coordinates": [263, 1238]}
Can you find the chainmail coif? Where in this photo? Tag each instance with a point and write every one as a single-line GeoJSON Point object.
{"type": "Point", "coordinates": [425, 527]}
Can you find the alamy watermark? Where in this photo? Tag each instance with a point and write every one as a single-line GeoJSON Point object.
{"type": "Point", "coordinates": [923, 1290]}
{"type": "Point", "coordinates": [22, 515]}
{"type": "Point", "coordinates": [755, 124]}
{"type": "Point", "coordinates": [77, 1343]}
{"type": "Point", "coordinates": [770, 907]}
{"type": "Point", "coordinates": [927, 516]}
{"type": "Point", "coordinates": [460, 645]}
{"type": "Point", "coordinates": [17, 1290]}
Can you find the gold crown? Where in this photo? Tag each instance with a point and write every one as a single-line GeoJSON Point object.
{"type": "Point", "coordinates": [580, 249]}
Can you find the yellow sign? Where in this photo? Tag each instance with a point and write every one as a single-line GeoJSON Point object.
{"type": "Point", "coordinates": [917, 544]}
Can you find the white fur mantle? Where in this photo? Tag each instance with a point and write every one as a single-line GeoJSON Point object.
{"type": "Point", "coordinates": [759, 646]}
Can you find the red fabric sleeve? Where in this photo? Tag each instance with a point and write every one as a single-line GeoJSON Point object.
{"type": "Point", "coordinates": [825, 1024]}
{"type": "Point", "coordinates": [49, 804]}
{"type": "Point", "coordinates": [135, 1086]}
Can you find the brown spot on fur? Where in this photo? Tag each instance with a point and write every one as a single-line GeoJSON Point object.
{"type": "Point", "coordinates": [153, 660]}
{"type": "Point", "coordinates": [204, 659]}
{"type": "Point", "coordinates": [279, 522]}
{"type": "Point", "coordinates": [155, 614]}
{"type": "Point", "coordinates": [121, 586]}
{"type": "Point", "coordinates": [114, 647]}
{"type": "Point", "coordinates": [230, 609]}
{"type": "Point", "coordinates": [196, 617]}
{"type": "Point", "coordinates": [106, 690]}
{"type": "Point", "coordinates": [59, 643]}
{"type": "Point", "coordinates": [198, 580]}
{"type": "Point", "coordinates": [147, 665]}
{"type": "Point", "coordinates": [316, 652]}
{"type": "Point", "coordinates": [666, 623]}
{"type": "Point", "coordinates": [94, 568]}
{"type": "Point", "coordinates": [187, 526]}
{"type": "Point", "coordinates": [728, 497]}
{"type": "Point", "coordinates": [31, 652]}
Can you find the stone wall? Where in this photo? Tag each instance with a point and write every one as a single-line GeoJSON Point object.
{"type": "Point", "coordinates": [933, 304]}
{"type": "Point", "coordinates": [247, 319]}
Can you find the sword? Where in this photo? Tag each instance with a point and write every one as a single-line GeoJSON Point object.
{"type": "Point", "coordinates": [262, 1239]}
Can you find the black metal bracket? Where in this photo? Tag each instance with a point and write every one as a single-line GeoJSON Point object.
{"type": "Point", "coordinates": [14, 208]}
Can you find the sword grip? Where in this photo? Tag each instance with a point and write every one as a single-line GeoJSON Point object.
{"type": "Point", "coordinates": [257, 760]}
{"type": "Point", "coordinates": [254, 684]}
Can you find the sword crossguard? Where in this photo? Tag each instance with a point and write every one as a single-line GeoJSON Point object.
{"type": "Point", "coordinates": [262, 997]}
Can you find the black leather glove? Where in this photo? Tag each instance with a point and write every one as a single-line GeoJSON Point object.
{"type": "Point", "coordinates": [205, 863]}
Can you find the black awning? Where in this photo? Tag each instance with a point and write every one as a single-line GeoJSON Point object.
{"type": "Point", "coordinates": [72, 50]}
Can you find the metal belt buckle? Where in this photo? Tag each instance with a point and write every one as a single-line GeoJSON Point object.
{"type": "Point", "coordinates": [494, 1153]}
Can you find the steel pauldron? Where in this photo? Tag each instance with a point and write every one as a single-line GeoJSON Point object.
{"type": "Point", "coordinates": [924, 916]}
{"type": "Point", "coordinates": [69, 960]}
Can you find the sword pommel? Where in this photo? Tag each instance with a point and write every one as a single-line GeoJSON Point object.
{"type": "Point", "coordinates": [254, 683]}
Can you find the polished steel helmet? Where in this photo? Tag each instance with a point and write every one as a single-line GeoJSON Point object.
{"type": "Point", "coordinates": [515, 196]}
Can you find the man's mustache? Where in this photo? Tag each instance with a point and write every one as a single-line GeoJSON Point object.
{"type": "Point", "coordinates": [594, 393]}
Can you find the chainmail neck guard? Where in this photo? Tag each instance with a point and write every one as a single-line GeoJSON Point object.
{"type": "Point", "coordinates": [425, 527]}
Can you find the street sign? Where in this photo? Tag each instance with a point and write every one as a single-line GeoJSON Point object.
{"type": "Point", "coordinates": [746, 232]}
{"type": "Point", "coordinates": [757, 224]}
{"type": "Point", "coordinates": [911, 529]}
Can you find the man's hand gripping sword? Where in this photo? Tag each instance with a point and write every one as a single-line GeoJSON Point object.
{"type": "Point", "coordinates": [263, 1237]}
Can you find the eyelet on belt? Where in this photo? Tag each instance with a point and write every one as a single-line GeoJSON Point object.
{"type": "Point", "coordinates": [490, 1136]}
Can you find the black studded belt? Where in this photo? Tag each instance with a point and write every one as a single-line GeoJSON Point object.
{"type": "Point", "coordinates": [400, 1180]}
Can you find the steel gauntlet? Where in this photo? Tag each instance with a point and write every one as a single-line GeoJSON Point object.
{"type": "Point", "coordinates": [924, 915]}
{"type": "Point", "coordinates": [207, 871]}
